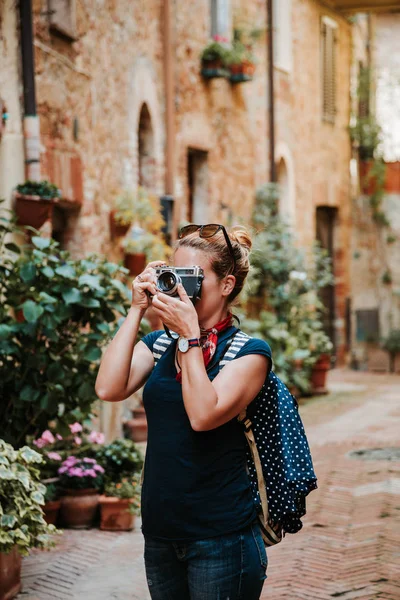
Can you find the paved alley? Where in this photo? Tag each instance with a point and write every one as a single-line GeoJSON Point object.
{"type": "Point", "coordinates": [348, 548]}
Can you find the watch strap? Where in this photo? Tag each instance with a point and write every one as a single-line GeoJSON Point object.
{"type": "Point", "coordinates": [194, 342]}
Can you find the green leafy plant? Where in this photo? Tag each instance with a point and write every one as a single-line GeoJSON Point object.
{"type": "Point", "coordinates": [44, 189]}
{"type": "Point", "coordinates": [119, 459]}
{"type": "Point", "coordinates": [21, 499]}
{"type": "Point", "coordinates": [55, 315]}
{"type": "Point", "coordinates": [282, 304]}
{"type": "Point", "coordinates": [139, 205]}
{"type": "Point", "coordinates": [52, 492]}
{"type": "Point", "coordinates": [218, 49]}
{"type": "Point", "coordinates": [392, 345]}
{"type": "Point", "coordinates": [126, 489]}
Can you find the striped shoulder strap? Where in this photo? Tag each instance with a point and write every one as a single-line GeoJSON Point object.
{"type": "Point", "coordinates": [237, 343]}
{"type": "Point", "coordinates": [160, 346]}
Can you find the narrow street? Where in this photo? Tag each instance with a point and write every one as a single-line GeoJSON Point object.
{"type": "Point", "coordinates": [348, 548]}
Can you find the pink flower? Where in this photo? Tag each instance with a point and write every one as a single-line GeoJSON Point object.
{"type": "Point", "coordinates": [62, 470]}
{"type": "Point", "coordinates": [98, 468]}
{"type": "Point", "coordinates": [48, 437]}
{"type": "Point", "coordinates": [54, 456]}
{"type": "Point", "coordinates": [39, 443]}
{"type": "Point", "coordinates": [58, 436]}
{"type": "Point", "coordinates": [75, 428]}
{"type": "Point", "coordinates": [70, 461]}
{"type": "Point", "coordinates": [91, 473]}
{"type": "Point", "coordinates": [89, 460]}
{"type": "Point", "coordinates": [78, 440]}
{"type": "Point", "coordinates": [95, 437]}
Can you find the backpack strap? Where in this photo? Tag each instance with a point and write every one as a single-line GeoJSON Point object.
{"type": "Point", "coordinates": [160, 346]}
{"type": "Point", "coordinates": [272, 533]}
{"type": "Point", "coordinates": [237, 343]}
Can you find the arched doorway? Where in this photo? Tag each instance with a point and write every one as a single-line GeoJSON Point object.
{"type": "Point", "coordinates": [147, 161]}
{"type": "Point", "coordinates": [284, 192]}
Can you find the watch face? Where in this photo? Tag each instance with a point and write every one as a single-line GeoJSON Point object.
{"type": "Point", "coordinates": [183, 344]}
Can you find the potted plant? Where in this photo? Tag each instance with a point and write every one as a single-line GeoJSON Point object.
{"type": "Point", "coordinates": [131, 206]}
{"type": "Point", "coordinates": [120, 458]}
{"type": "Point", "coordinates": [49, 361]}
{"type": "Point", "coordinates": [392, 345]}
{"type": "Point", "coordinates": [136, 245]}
{"type": "Point", "coordinates": [119, 504]}
{"type": "Point", "coordinates": [33, 202]}
{"type": "Point", "coordinates": [22, 525]}
{"type": "Point", "coordinates": [81, 480]}
{"type": "Point", "coordinates": [321, 348]}
{"type": "Point", "coordinates": [52, 504]}
{"type": "Point", "coordinates": [241, 63]}
{"type": "Point", "coordinates": [214, 58]}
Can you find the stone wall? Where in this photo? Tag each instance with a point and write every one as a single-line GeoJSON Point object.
{"type": "Point", "coordinates": [93, 90]}
{"type": "Point", "coordinates": [11, 140]}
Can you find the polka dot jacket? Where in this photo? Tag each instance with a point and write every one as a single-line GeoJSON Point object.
{"type": "Point", "coordinates": [282, 445]}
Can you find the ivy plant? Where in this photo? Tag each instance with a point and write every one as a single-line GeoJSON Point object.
{"type": "Point", "coordinates": [56, 313]}
{"type": "Point", "coordinates": [282, 302]}
{"type": "Point", "coordinates": [22, 523]}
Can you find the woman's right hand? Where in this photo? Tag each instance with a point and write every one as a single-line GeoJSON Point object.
{"type": "Point", "coordinates": [144, 285]}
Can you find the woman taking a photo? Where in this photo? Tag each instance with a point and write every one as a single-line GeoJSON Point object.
{"type": "Point", "coordinates": [202, 540]}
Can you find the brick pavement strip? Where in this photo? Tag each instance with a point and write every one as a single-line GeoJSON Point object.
{"type": "Point", "coordinates": [348, 548]}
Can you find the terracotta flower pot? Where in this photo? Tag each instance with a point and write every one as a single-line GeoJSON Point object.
{"type": "Point", "coordinates": [319, 373]}
{"type": "Point", "coordinates": [51, 510]}
{"type": "Point", "coordinates": [137, 426]}
{"type": "Point", "coordinates": [115, 515]}
{"type": "Point", "coordinates": [78, 508]}
{"type": "Point", "coordinates": [213, 68]}
{"type": "Point", "coordinates": [135, 263]}
{"type": "Point", "coordinates": [32, 210]}
{"type": "Point", "coordinates": [117, 230]}
{"type": "Point", "coordinates": [10, 574]}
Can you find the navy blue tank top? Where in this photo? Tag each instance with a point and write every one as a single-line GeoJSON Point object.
{"type": "Point", "coordinates": [195, 482]}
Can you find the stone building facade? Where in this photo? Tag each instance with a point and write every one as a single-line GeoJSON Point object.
{"type": "Point", "coordinates": [375, 247]}
{"type": "Point", "coordinates": [101, 86]}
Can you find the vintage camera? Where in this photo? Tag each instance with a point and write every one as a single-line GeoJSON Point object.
{"type": "Point", "coordinates": [168, 279]}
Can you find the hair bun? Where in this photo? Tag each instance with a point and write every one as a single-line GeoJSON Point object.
{"type": "Point", "coordinates": [241, 236]}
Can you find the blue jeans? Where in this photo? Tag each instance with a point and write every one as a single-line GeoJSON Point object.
{"type": "Point", "coordinates": [229, 567]}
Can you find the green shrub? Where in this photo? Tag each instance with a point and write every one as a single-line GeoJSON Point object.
{"type": "Point", "coordinates": [21, 499]}
{"type": "Point", "coordinates": [55, 315]}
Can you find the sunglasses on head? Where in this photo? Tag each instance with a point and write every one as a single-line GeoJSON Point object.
{"type": "Point", "coordinates": [208, 231]}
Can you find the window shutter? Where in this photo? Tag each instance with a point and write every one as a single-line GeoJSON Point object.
{"type": "Point", "coordinates": [328, 46]}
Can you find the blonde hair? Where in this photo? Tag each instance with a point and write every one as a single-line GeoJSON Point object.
{"type": "Point", "coordinates": [220, 257]}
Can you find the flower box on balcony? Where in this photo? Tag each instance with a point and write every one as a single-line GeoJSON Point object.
{"type": "Point", "coordinates": [241, 72]}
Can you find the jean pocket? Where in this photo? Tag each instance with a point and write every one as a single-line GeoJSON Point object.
{"type": "Point", "coordinates": [256, 531]}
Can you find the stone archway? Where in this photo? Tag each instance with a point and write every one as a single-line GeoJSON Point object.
{"type": "Point", "coordinates": [285, 178]}
{"type": "Point", "coordinates": [146, 157]}
{"type": "Point", "coordinates": [146, 130]}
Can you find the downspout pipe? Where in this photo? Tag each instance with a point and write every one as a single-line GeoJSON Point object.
{"type": "Point", "coordinates": [31, 119]}
{"type": "Point", "coordinates": [168, 199]}
{"type": "Point", "coordinates": [271, 96]}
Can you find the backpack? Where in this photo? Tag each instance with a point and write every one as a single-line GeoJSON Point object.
{"type": "Point", "coordinates": [279, 461]}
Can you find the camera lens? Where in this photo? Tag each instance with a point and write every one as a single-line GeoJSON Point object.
{"type": "Point", "coordinates": [167, 282]}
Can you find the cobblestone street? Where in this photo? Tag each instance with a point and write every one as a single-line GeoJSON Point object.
{"type": "Point", "coordinates": [348, 548]}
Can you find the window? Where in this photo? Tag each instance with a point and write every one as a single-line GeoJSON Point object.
{"type": "Point", "coordinates": [63, 18]}
{"type": "Point", "coordinates": [282, 23]}
{"type": "Point", "coordinates": [328, 68]}
{"type": "Point", "coordinates": [221, 18]}
{"type": "Point", "coordinates": [197, 186]}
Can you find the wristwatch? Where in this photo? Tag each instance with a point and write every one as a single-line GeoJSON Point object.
{"type": "Point", "coordinates": [184, 344]}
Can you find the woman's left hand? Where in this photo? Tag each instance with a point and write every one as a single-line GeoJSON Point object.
{"type": "Point", "coordinates": [179, 315]}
